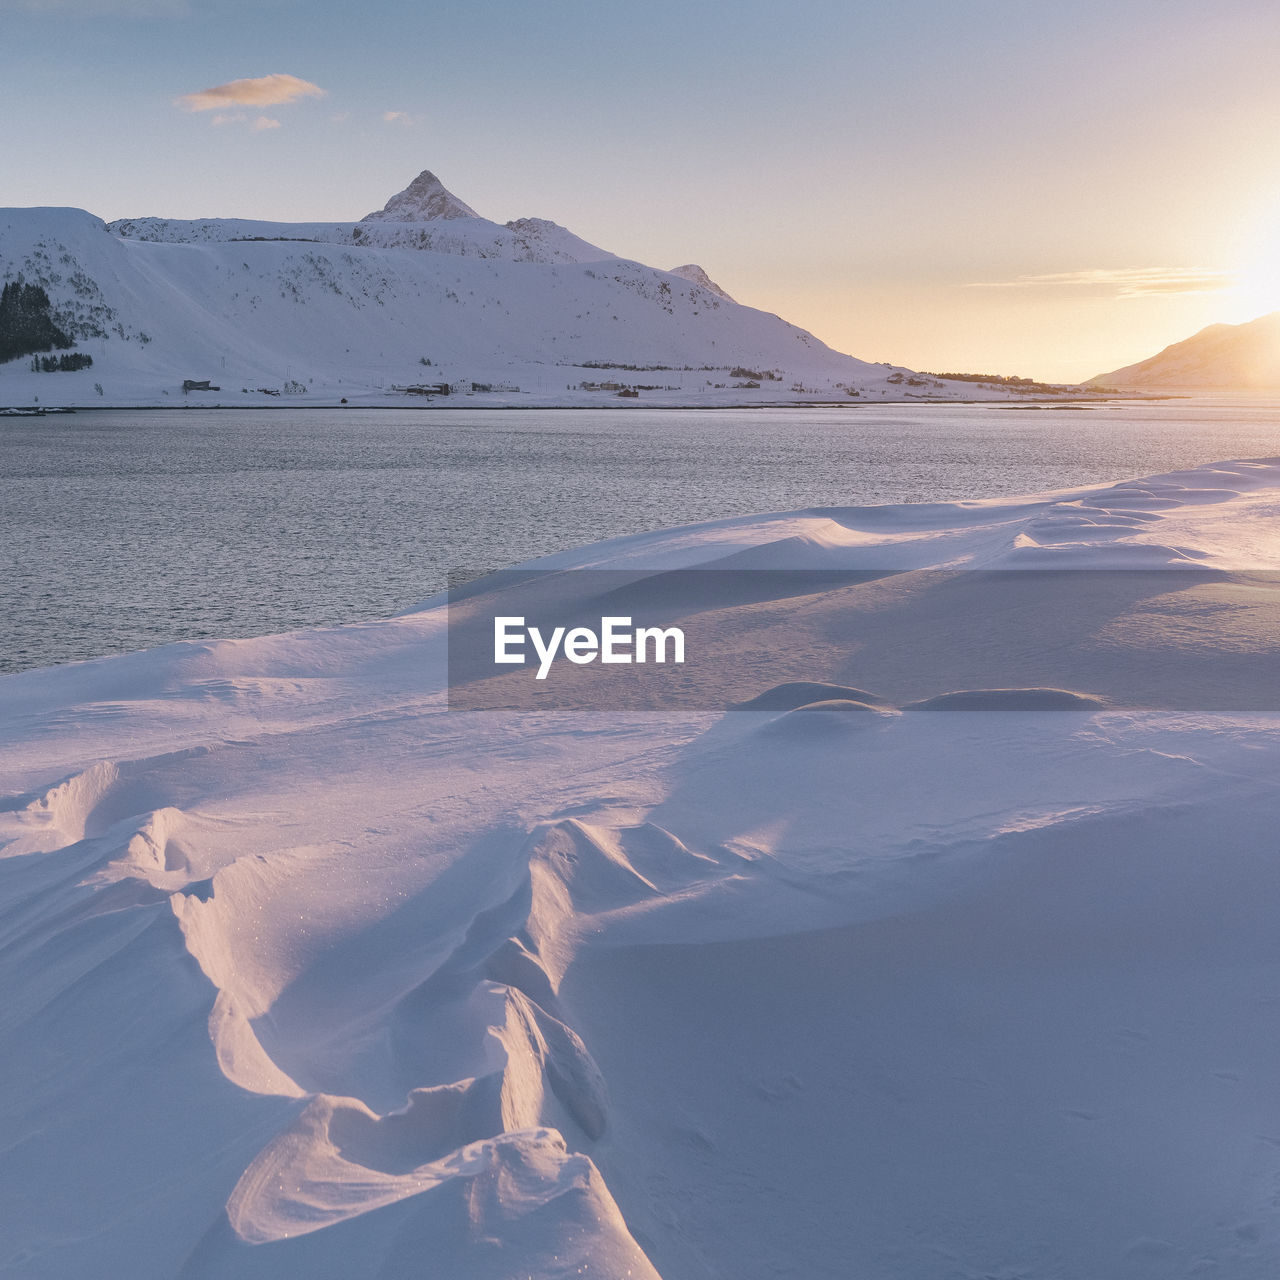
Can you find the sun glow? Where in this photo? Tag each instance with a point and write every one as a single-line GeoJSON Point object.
{"type": "Point", "coordinates": [1259, 289]}
{"type": "Point", "coordinates": [1257, 271]}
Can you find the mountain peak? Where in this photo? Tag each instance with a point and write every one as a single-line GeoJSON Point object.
{"type": "Point", "coordinates": [425, 199]}
{"type": "Point", "coordinates": [696, 275]}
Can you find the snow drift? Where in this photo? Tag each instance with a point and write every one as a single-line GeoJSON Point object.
{"type": "Point", "coordinates": [306, 975]}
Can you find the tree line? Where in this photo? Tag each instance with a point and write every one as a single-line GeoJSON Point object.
{"type": "Point", "coordinates": [61, 364]}
{"type": "Point", "coordinates": [26, 322]}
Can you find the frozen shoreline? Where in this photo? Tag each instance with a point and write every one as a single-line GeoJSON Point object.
{"type": "Point", "coordinates": [500, 402]}
{"type": "Point", "coordinates": [305, 975]}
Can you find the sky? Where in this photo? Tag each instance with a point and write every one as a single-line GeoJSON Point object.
{"type": "Point", "coordinates": [1050, 190]}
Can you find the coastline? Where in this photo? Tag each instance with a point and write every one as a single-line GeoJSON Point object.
{"type": "Point", "coordinates": [559, 975]}
{"type": "Point", "coordinates": [450, 402]}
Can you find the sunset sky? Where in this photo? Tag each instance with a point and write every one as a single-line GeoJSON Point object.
{"type": "Point", "coordinates": [1016, 187]}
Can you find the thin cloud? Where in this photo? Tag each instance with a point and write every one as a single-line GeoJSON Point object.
{"type": "Point", "coordinates": [1126, 282]}
{"type": "Point", "coordinates": [398, 117]}
{"type": "Point", "coordinates": [264, 91]}
{"type": "Point", "coordinates": [254, 123]}
{"type": "Point", "coordinates": [257, 123]}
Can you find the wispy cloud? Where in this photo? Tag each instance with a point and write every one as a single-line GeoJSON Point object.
{"type": "Point", "coordinates": [1126, 282]}
{"type": "Point", "coordinates": [254, 123]}
{"type": "Point", "coordinates": [263, 91]}
{"type": "Point", "coordinates": [398, 117]}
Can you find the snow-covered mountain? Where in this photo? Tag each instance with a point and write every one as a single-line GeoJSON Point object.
{"type": "Point", "coordinates": [423, 292]}
{"type": "Point", "coordinates": [1223, 357]}
{"type": "Point", "coordinates": [691, 271]}
{"type": "Point", "coordinates": [423, 200]}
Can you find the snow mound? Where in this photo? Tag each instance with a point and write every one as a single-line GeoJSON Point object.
{"type": "Point", "coordinates": [1009, 700]}
{"type": "Point", "coordinates": [838, 715]}
{"type": "Point", "coordinates": [304, 974]}
{"type": "Point", "coordinates": [800, 693]}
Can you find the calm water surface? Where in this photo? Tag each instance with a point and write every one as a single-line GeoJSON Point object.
{"type": "Point", "coordinates": [121, 530]}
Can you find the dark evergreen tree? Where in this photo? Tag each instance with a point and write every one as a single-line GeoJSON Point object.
{"type": "Point", "coordinates": [61, 364]}
{"type": "Point", "coordinates": [26, 323]}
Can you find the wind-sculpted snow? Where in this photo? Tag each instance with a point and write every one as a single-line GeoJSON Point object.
{"type": "Point", "coordinates": [305, 974]}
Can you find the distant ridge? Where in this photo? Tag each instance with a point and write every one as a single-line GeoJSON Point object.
{"type": "Point", "coordinates": [1222, 357]}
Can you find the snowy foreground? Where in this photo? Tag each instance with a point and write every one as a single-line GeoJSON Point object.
{"type": "Point", "coordinates": [305, 975]}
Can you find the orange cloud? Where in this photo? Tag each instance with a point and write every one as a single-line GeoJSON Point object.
{"type": "Point", "coordinates": [1128, 282]}
{"type": "Point", "coordinates": [264, 91]}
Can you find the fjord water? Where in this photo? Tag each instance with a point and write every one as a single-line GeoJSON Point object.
{"type": "Point", "coordinates": [123, 530]}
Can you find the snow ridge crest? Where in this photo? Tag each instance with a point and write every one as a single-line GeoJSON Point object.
{"type": "Point", "coordinates": [425, 199]}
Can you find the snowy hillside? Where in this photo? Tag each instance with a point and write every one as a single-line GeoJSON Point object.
{"type": "Point", "coordinates": [1223, 357]}
{"type": "Point", "coordinates": [421, 293]}
{"type": "Point", "coordinates": [303, 974]}
{"type": "Point", "coordinates": [691, 271]}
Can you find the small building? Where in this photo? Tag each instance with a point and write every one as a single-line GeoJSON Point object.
{"type": "Point", "coordinates": [424, 389]}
